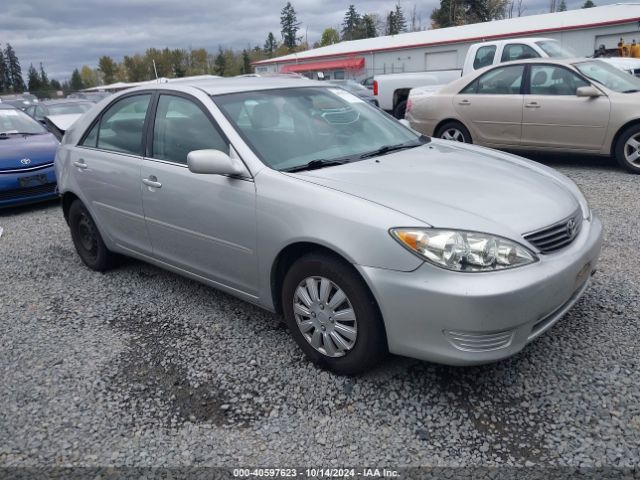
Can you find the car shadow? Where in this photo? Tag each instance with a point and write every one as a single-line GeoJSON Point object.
{"type": "Point", "coordinates": [29, 207]}
{"type": "Point", "coordinates": [571, 160]}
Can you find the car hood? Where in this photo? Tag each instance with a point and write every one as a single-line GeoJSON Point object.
{"type": "Point", "coordinates": [38, 149]}
{"type": "Point", "coordinates": [450, 186]}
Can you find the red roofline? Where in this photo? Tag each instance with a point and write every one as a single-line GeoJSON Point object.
{"type": "Point", "coordinates": [446, 42]}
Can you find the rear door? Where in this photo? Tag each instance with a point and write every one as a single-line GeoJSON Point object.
{"type": "Point", "coordinates": [554, 117]}
{"type": "Point", "coordinates": [491, 106]}
{"type": "Point", "coordinates": [107, 167]}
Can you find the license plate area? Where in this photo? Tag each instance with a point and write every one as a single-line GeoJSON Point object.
{"type": "Point", "coordinates": [32, 180]}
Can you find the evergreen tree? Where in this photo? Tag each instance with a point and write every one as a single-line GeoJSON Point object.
{"type": "Point", "coordinates": [33, 79]}
{"type": "Point", "coordinates": [588, 4]}
{"type": "Point", "coordinates": [391, 27]}
{"type": "Point", "coordinates": [351, 25]}
{"type": "Point", "coordinates": [400, 21]}
{"type": "Point", "coordinates": [44, 79]}
{"type": "Point", "coordinates": [290, 26]}
{"type": "Point", "coordinates": [270, 45]}
{"type": "Point", "coordinates": [220, 62]}
{"type": "Point", "coordinates": [55, 84]}
{"type": "Point", "coordinates": [246, 62]}
{"type": "Point", "coordinates": [14, 70]}
{"type": "Point", "coordinates": [369, 29]}
{"type": "Point", "coordinates": [563, 6]}
{"type": "Point", "coordinates": [76, 81]}
{"type": "Point", "coordinates": [109, 69]}
{"type": "Point", "coordinates": [5, 81]}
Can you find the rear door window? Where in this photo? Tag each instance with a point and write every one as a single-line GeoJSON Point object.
{"type": "Point", "coordinates": [501, 81]}
{"type": "Point", "coordinates": [122, 125]}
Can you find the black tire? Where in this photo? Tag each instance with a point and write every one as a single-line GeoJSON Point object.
{"type": "Point", "coordinates": [87, 239]}
{"type": "Point", "coordinates": [621, 148]}
{"type": "Point", "coordinates": [400, 110]}
{"type": "Point", "coordinates": [370, 345]}
{"type": "Point", "coordinates": [453, 125]}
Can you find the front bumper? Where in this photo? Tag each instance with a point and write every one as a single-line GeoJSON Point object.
{"type": "Point", "coordinates": [13, 192]}
{"type": "Point", "coordinates": [473, 318]}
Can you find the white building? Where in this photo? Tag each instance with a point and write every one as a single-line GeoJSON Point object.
{"type": "Point", "coordinates": [582, 30]}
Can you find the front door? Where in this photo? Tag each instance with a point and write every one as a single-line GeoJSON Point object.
{"type": "Point", "coordinates": [204, 224]}
{"type": "Point", "coordinates": [554, 117]}
{"type": "Point", "coordinates": [491, 106]}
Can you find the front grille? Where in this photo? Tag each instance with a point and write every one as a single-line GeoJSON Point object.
{"type": "Point", "coordinates": [557, 236]}
{"type": "Point", "coordinates": [479, 342]}
{"type": "Point", "coordinates": [26, 169]}
{"type": "Point", "coordinates": [27, 191]}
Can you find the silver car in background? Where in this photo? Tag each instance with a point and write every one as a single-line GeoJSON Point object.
{"type": "Point", "coordinates": [305, 200]}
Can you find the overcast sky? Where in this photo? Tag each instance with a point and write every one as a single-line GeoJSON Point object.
{"type": "Point", "coordinates": [66, 34]}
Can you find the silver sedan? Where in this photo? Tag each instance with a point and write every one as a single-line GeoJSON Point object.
{"type": "Point", "coordinates": [307, 201]}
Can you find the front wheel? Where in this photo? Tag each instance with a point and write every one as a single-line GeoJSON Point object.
{"type": "Point", "coordinates": [332, 315]}
{"type": "Point", "coordinates": [627, 149]}
{"type": "Point", "coordinates": [454, 131]}
{"type": "Point", "coordinates": [400, 110]}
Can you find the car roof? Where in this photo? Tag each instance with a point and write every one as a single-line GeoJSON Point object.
{"type": "Point", "coordinates": [7, 106]}
{"type": "Point", "coordinates": [234, 84]}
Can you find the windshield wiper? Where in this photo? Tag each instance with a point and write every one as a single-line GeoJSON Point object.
{"type": "Point", "coordinates": [633, 90]}
{"type": "Point", "coordinates": [6, 134]}
{"type": "Point", "coordinates": [315, 164]}
{"type": "Point", "coordinates": [390, 148]}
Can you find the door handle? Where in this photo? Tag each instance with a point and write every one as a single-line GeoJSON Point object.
{"type": "Point", "coordinates": [152, 181]}
{"type": "Point", "coordinates": [80, 164]}
{"type": "Point", "coordinates": [532, 105]}
{"type": "Point", "coordinates": [464, 102]}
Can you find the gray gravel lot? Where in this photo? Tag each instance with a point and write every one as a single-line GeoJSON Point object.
{"type": "Point", "coordinates": [142, 367]}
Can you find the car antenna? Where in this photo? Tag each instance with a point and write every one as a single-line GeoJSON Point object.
{"type": "Point", "coordinates": [154, 69]}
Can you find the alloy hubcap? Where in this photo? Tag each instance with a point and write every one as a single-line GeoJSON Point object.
{"type": "Point", "coordinates": [632, 150]}
{"type": "Point", "coordinates": [453, 134]}
{"type": "Point", "coordinates": [325, 316]}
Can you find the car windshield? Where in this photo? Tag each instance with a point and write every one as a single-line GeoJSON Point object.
{"type": "Point", "coordinates": [289, 128]}
{"type": "Point", "coordinates": [64, 108]}
{"type": "Point", "coordinates": [609, 76]}
{"type": "Point", "coordinates": [555, 50]}
{"type": "Point", "coordinates": [13, 121]}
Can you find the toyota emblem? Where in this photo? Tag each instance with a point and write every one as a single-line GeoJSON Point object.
{"type": "Point", "coordinates": [25, 161]}
{"type": "Point", "coordinates": [571, 227]}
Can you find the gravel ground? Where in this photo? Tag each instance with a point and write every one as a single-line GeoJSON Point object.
{"type": "Point", "coordinates": [142, 367]}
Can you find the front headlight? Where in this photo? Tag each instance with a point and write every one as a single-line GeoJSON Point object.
{"type": "Point", "coordinates": [463, 251]}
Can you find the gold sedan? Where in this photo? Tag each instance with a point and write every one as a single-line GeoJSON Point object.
{"type": "Point", "coordinates": [551, 105]}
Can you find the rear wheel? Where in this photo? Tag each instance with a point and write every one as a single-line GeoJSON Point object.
{"type": "Point", "coordinates": [627, 149]}
{"type": "Point", "coordinates": [400, 110]}
{"type": "Point", "coordinates": [87, 239]}
{"type": "Point", "coordinates": [454, 131]}
{"type": "Point", "coordinates": [332, 315]}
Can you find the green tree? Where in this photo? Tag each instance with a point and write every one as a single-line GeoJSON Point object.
{"type": "Point", "coordinates": [563, 6]}
{"type": "Point", "coordinates": [76, 81]}
{"type": "Point", "coordinates": [450, 13]}
{"type": "Point", "coordinates": [44, 78]}
{"type": "Point", "coordinates": [137, 70]}
{"type": "Point", "coordinates": [5, 80]}
{"type": "Point", "coordinates": [33, 79]}
{"type": "Point", "coordinates": [220, 63]}
{"type": "Point", "coordinates": [270, 45]}
{"type": "Point", "coordinates": [400, 20]}
{"type": "Point", "coordinates": [14, 69]}
{"type": "Point", "coordinates": [369, 29]}
{"type": "Point", "coordinates": [352, 24]}
{"type": "Point", "coordinates": [588, 4]}
{"type": "Point", "coordinates": [55, 84]}
{"type": "Point", "coordinates": [329, 37]}
{"type": "Point", "coordinates": [290, 26]}
{"type": "Point", "coordinates": [246, 62]}
{"type": "Point", "coordinates": [109, 69]}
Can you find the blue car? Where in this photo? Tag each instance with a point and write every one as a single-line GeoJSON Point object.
{"type": "Point", "coordinates": [27, 150]}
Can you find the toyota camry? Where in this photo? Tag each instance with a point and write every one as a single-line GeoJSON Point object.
{"type": "Point", "coordinates": [305, 200]}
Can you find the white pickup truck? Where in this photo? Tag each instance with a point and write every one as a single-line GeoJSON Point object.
{"type": "Point", "coordinates": [392, 90]}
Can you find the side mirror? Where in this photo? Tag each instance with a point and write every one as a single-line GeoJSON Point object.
{"type": "Point", "coordinates": [214, 162]}
{"type": "Point", "coordinates": [589, 91]}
